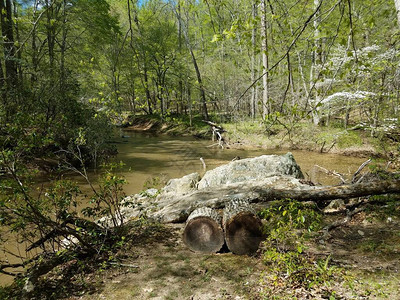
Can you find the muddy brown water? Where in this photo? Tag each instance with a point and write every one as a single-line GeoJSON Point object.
{"type": "Point", "coordinates": [150, 158]}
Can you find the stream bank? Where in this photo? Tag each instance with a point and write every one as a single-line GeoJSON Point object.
{"type": "Point", "coordinates": [251, 135]}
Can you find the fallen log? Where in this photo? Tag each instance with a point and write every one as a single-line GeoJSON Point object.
{"type": "Point", "coordinates": [203, 232]}
{"type": "Point", "coordinates": [177, 209]}
{"type": "Point", "coordinates": [242, 227]}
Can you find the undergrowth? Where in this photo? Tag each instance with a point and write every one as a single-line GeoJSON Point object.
{"type": "Point", "coordinates": [290, 270]}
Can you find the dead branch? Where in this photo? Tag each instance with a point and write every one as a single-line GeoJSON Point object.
{"type": "Point", "coordinates": [334, 173]}
{"type": "Point", "coordinates": [178, 209]}
{"type": "Point", "coordinates": [349, 215]}
{"type": "Point", "coordinates": [360, 168]}
{"type": "Point", "coordinates": [123, 265]}
{"type": "Point", "coordinates": [212, 124]}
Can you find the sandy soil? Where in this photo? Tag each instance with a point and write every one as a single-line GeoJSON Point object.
{"type": "Point", "coordinates": [367, 250]}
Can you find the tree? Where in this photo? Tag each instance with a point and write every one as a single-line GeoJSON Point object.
{"type": "Point", "coordinates": [10, 74]}
{"type": "Point", "coordinates": [185, 31]}
{"type": "Point", "coordinates": [264, 48]}
{"type": "Point", "coordinates": [397, 5]}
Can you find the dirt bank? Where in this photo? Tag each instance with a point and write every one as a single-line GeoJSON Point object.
{"type": "Point", "coordinates": [253, 135]}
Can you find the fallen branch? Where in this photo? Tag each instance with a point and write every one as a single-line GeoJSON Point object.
{"type": "Point", "coordinates": [212, 124]}
{"type": "Point", "coordinates": [123, 265]}
{"type": "Point", "coordinates": [320, 194]}
{"type": "Point", "coordinates": [360, 168]}
{"type": "Point", "coordinates": [349, 215]}
{"type": "Point", "coordinates": [334, 173]}
{"type": "Point", "coordinates": [178, 209]}
{"type": "Point", "coordinates": [216, 132]}
{"type": "Point", "coordinates": [63, 230]}
{"type": "Point", "coordinates": [11, 266]}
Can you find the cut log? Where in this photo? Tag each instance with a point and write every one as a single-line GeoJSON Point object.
{"type": "Point", "coordinates": [203, 232]}
{"type": "Point", "coordinates": [242, 227]}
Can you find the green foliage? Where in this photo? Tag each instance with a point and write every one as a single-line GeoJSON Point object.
{"type": "Point", "coordinates": [290, 214]}
{"type": "Point", "coordinates": [51, 218]}
{"type": "Point", "coordinates": [348, 139]}
{"type": "Point", "coordinates": [108, 199]}
{"type": "Point", "coordinates": [284, 253]}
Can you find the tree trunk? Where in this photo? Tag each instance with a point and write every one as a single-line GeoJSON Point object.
{"type": "Point", "coordinates": [203, 232]}
{"type": "Point", "coordinates": [50, 34]}
{"type": "Point", "coordinates": [397, 5]}
{"type": "Point", "coordinates": [146, 86]}
{"type": "Point", "coordinates": [9, 47]}
{"type": "Point", "coordinates": [196, 67]}
{"type": "Point", "coordinates": [189, 99]}
{"type": "Point", "coordinates": [201, 87]}
{"type": "Point", "coordinates": [18, 66]}
{"type": "Point", "coordinates": [253, 101]}
{"type": "Point", "coordinates": [2, 84]}
{"type": "Point", "coordinates": [145, 76]}
{"type": "Point", "coordinates": [242, 227]}
{"type": "Point", "coordinates": [34, 57]}
{"type": "Point", "coordinates": [316, 60]}
{"type": "Point", "coordinates": [264, 49]}
{"type": "Point", "coordinates": [63, 47]}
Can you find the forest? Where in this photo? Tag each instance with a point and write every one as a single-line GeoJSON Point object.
{"type": "Point", "coordinates": [312, 75]}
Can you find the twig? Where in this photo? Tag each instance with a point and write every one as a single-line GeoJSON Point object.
{"type": "Point", "coordinates": [322, 148]}
{"type": "Point", "coordinates": [360, 168]}
{"type": "Point", "coordinates": [203, 162]}
{"type": "Point", "coordinates": [212, 145]}
{"type": "Point", "coordinates": [334, 173]}
{"type": "Point", "coordinates": [123, 265]}
{"type": "Point", "coordinates": [349, 215]}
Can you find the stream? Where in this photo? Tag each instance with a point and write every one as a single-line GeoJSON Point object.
{"type": "Point", "coordinates": [162, 157]}
{"type": "Point", "coordinates": [153, 159]}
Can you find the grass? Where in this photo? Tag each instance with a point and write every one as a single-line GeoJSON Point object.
{"type": "Point", "coordinates": [302, 136]}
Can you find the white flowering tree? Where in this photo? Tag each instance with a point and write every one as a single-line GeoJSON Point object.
{"type": "Point", "coordinates": [363, 83]}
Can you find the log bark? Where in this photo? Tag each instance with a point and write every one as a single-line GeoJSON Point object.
{"type": "Point", "coordinates": [203, 232]}
{"type": "Point", "coordinates": [242, 227]}
{"type": "Point", "coordinates": [178, 209]}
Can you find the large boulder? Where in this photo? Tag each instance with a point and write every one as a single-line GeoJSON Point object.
{"type": "Point", "coordinates": [250, 169]}
{"type": "Point", "coordinates": [236, 180]}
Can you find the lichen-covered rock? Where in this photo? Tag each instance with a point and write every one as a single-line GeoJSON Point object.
{"type": "Point", "coordinates": [181, 186]}
{"type": "Point", "coordinates": [133, 206]}
{"type": "Point", "coordinates": [250, 169]}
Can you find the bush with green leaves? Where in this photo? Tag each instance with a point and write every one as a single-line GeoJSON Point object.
{"type": "Point", "coordinates": [287, 228]}
{"type": "Point", "coordinates": [50, 219]}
